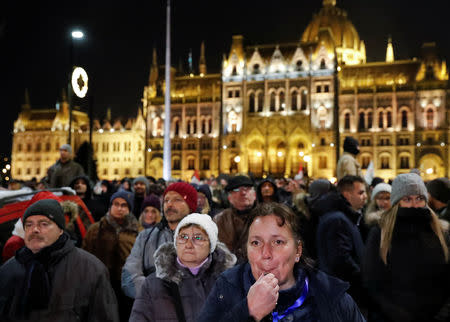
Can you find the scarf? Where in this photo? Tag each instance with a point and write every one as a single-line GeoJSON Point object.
{"type": "Point", "coordinates": [36, 288]}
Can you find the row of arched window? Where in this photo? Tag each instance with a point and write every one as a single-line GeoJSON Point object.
{"type": "Point", "coordinates": [384, 119]}
{"type": "Point", "coordinates": [277, 101]}
{"type": "Point", "coordinates": [385, 162]}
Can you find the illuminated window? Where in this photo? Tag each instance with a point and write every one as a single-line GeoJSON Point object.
{"type": "Point", "coordinates": [303, 100]}
{"type": "Point", "coordinates": [191, 164]}
{"type": "Point", "coordinates": [404, 162]}
{"type": "Point", "coordinates": [281, 101]}
{"type": "Point", "coordinates": [205, 164]}
{"type": "Point", "coordinates": [380, 120]}
{"type": "Point", "coordinates": [365, 160]}
{"type": "Point", "coordinates": [176, 164]}
{"type": "Point", "coordinates": [294, 100]}
{"type": "Point", "coordinates": [430, 118]}
{"type": "Point", "coordinates": [361, 123]}
{"type": "Point", "coordinates": [384, 162]}
{"type": "Point", "coordinates": [251, 103]}
{"type": "Point", "coordinates": [260, 101]}
{"type": "Point", "coordinates": [404, 119]}
{"type": "Point", "coordinates": [347, 121]}
{"type": "Point", "coordinates": [272, 102]}
{"type": "Point", "coordinates": [369, 120]}
{"type": "Point", "coordinates": [389, 118]}
{"type": "Point", "coordinates": [322, 162]}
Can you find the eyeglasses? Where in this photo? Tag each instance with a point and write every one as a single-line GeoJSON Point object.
{"type": "Point", "coordinates": [242, 189]}
{"type": "Point", "coordinates": [196, 239]}
{"type": "Point", "coordinates": [42, 225]}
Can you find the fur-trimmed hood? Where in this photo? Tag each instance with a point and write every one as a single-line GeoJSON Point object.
{"type": "Point", "coordinates": [373, 217]}
{"type": "Point", "coordinates": [168, 269]}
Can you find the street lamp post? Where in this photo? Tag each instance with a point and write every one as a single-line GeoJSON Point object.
{"type": "Point", "coordinates": [76, 34]}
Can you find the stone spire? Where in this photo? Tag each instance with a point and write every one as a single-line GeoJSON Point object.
{"type": "Point", "coordinates": [26, 106]}
{"type": "Point", "coordinates": [328, 3]}
{"type": "Point", "coordinates": [202, 62]}
{"type": "Point", "coordinates": [389, 51]}
{"type": "Point", "coordinates": [153, 69]}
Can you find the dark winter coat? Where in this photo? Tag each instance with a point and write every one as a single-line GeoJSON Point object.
{"type": "Point", "coordinates": [112, 243]}
{"type": "Point", "coordinates": [61, 174]}
{"type": "Point", "coordinates": [338, 240]}
{"type": "Point", "coordinates": [80, 288]}
{"type": "Point", "coordinates": [415, 283]}
{"type": "Point", "coordinates": [231, 224]}
{"type": "Point", "coordinates": [156, 303]}
{"type": "Point", "coordinates": [327, 299]}
{"type": "Point", "coordinates": [275, 196]}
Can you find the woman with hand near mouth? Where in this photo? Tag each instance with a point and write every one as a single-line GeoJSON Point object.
{"type": "Point", "coordinates": [277, 283]}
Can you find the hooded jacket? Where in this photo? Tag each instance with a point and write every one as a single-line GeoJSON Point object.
{"type": "Point", "coordinates": [275, 196]}
{"type": "Point", "coordinates": [155, 303]}
{"type": "Point", "coordinates": [96, 207]}
{"type": "Point", "coordinates": [81, 290]}
{"type": "Point", "coordinates": [228, 299]}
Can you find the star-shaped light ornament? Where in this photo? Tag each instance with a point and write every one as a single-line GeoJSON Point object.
{"type": "Point", "coordinates": [80, 82]}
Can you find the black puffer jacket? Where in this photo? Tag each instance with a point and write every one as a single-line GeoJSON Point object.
{"type": "Point", "coordinates": [80, 288]}
{"type": "Point", "coordinates": [155, 302]}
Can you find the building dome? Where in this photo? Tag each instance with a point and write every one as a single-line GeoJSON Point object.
{"type": "Point", "coordinates": [349, 47]}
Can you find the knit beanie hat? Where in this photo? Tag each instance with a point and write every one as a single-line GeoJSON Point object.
{"type": "Point", "coordinates": [126, 195]}
{"type": "Point", "coordinates": [381, 187]}
{"type": "Point", "coordinates": [351, 145]}
{"type": "Point", "coordinates": [151, 201]}
{"type": "Point", "coordinates": [439, 189]}
{"type": "Point", "coordinates": [49, 208]}
{"type": "Point", "coordinates": [318, 188]}
{"type": "Point", "coordinates": [142, 179]}
{"type": "Point", "coordinates": [66, 147]}
{"type": "Point", "coordinates": [407, 184]}
{"type": "Point", "coordinates": [205, 222]}
{"type": "Point", "coordinates": [187, 191]}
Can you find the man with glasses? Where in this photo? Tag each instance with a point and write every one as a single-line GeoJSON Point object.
{"type": "Point", "coordinates": [111, 240]}
{"type": "Point", "coordinates": [231, 221]}
{"type": "Point", "coordinates": [50, 278]}
{"type": "Point", "coordinates": [179, 200]}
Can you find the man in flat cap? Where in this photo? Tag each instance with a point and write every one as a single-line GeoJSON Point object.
{"type": "Point", "coordinates": [50, 279]}
{"type": "Point", "coordinates": [61, 173]}
{"type": "Point", "coordinates": [231, 221]}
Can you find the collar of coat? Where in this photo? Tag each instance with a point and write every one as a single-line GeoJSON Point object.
{"type": "Point", "coordinates": [168, 269]}
{"type": "Point", "coordinates": [130, 223]}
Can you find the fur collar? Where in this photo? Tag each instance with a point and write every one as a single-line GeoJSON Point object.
{"type": "Point", "coordinates": [168, 269]}
{"type": "Point", "coordinates": [372, 218]}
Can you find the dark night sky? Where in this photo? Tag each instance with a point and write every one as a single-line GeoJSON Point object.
{"type": "Point", "coordinates": [35, 41]}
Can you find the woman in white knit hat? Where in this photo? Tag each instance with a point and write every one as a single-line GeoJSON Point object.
{"type": "Point", "coordinates": [405, 266]}
{"type": "Point", "coordinates": [185, 272]}
{"type": "Point", "coordinates": [380, 201]}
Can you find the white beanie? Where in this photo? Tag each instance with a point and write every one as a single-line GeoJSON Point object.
{"type": "Point", "coordinates": [205, 222]}
{"type": "Point", "coordinates": [381, 187]}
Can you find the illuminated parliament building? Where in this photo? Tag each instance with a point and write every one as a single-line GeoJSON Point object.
{"type": "Point", "coordinates": [272, 110]}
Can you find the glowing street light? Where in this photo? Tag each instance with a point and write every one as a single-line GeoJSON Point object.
{"type": "Point", "coordinates": [77, 34]}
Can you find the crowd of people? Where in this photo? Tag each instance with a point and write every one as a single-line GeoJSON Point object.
{"type": "Point", "coordinates": [231, 248]}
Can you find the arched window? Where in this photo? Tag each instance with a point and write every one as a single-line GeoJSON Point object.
{"type": "Point", "coordinates": [347, 121]}
{"type": "Point", "coordinates": [194, 122]}
{"type": "Point", "coordinates": [369, 120]}
{"type": "Point", "coordinates": [389, 118]}
{"type": "Point", "coordinates": [303, 100]}
{"type": "Point", "coordinates": [256, 69]}
{"type": "Point", "coordinates": [203, 126]}
{"type": "Point", "coordinates": [404, 119]}
{"type": "Point", "coordinates": [234, 72]}
{"type": "Point", "coordinates": [251, 103]}
{"type": "Point", "coordinates": [272, 102]}
{"type": "Point", "coordinates": [282, 102]}
{"type": "Point", "coordinates": [385, 162]}
{"type": "Point", "coordinates": [209, 125]}
{"type": "Point", "coordinates": [177, 128]}
{"type": "Point", "coordinates": [430, 118]}
{"type": "Point", "coordinates": [260, 101]}
{"type": "Point", "coordinates": [404, 162]}
{"type": "Point", "coordinates": [299, 65]}
{"type": "Point", "coordinates": [189, 126]}
{"type": "Point", "coordinates": [380, 119]}
{"type": "Point", "coordinates": [322, 64]}
{"type": "Point", "coordinates": [361, 123]}
{"type": "Point", "coordinates": [294, 101]}
{"type": "Point", "coordinates": [322, 117]}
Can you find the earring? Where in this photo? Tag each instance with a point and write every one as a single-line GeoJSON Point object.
{"type": "Point", "coordinates": [297, 258]}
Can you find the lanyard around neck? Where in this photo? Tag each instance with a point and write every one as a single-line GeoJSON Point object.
{"type": "Point", "coordinates": [277, 317]}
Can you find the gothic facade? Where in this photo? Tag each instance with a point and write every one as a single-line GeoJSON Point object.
{"type": "Point", "coordinates": [276, 109]}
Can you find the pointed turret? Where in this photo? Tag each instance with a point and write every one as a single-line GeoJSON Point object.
{"type": "Point", "coordinates": [108, 114]}
{"type": "Point", "coordinates": [153, 69]}
{"type": "Point", "coordinates": [389, 51]}
{"type": "Point", "coordinates": [190, 65]}
{"type": "Point", "coordinates": [329, 3]}
{"type": "Point", "coordinates": [26, 106]}
{"type": "Point", "coordinates": [202, 62]}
